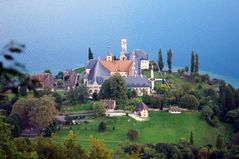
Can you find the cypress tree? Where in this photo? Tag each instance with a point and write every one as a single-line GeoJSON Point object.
{"type": "Point", "coordinates": [169, 60]}
{"type": "Point", "coordinates": [160, 61]}
{"type": "Point", "coordinates": [196, 65]}
{"type": "Point", "coordinates": [90, 54]}
{"type": "Point", "coordinates": [192, 62]}
{"type": "Point", "coordinates": [191, 138]}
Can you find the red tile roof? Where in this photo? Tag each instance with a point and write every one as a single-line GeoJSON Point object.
{"type": "Point", "coordinates": [70, 78]}
{"type": "Point", "coordinates": [118, 66]}
{"type": "Point", "coordinates": [45, 80]}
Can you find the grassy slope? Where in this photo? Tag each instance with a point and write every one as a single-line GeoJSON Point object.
{"type": "Point", "coordinates": [162, 127]}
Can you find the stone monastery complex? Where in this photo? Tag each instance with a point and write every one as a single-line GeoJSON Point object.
{"type": "Point", "coordinates": [129, 65]}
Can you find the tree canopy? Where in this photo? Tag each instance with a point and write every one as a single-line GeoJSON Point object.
{"type": "Point", "coordinates": [169, 59]}
{"type": "Point", "coordinates": [37, 112]}
{"type": "Point", "coordinates": [160, 60]}
{"type": "Point", "coordinates": [114, 88]}
{"type": "Point", "coordinates": [90, 54]}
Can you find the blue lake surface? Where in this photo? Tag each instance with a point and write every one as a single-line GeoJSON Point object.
{"type": "Point", "coordinates": [57, 33]}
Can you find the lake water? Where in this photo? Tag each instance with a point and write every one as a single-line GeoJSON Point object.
{"type": "Point", "coordinates": [57, 33]}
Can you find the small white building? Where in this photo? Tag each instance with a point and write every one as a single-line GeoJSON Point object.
{"type": "Point", "coordinates": [144, 64]}
{"type": "Point", "coordinates": [175, 110]}
{"type": "Point", "coordinates": [142, 110]}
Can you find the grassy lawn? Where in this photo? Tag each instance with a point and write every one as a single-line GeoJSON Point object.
{"type": "Point", "coordinates": [77, 107]}
{"type": "Point", "coordinates": [80, 70]}
{"type": "Point", "coordinates": [147, 73]}
{"type": "Point", "coordinates": [161, 127]}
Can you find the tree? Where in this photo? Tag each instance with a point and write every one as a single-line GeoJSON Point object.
{"type": "Point", "coordinates": [73, 151]}
{"type": "Point", "coordinates": [45, 148]}
{"type": "Point", "coordinates": [160, 61]}
{"type": "Point", "coordinates": [59, 75]}
{"type": "Point", "coordinates": [7, 147]}
{"type": "Point", "coordinates": [196, 65]}
{"type": "Point", "coordinates": [169, 60]}
{"type": "Point", "coordinates": [95, 96]}
{"type": "Point", "coordinates": [58, 100]}
{"type": "Point", "coordinates": [186, 69]}
{"type": "Point", "coordinates": [189, 101]}
{"type": "Point", "coordinates": [207, 112]}
{"type": "Point", "coordinates": [47, 71]}
{"type": "Point", "coordinates": [132, 134]}
{"type": "Point", "coordinates": [203, 153]}
{"type": "Point", "coordinates": [102, 127]}
{"type": "Point", "coordinates": [99, 150]}
{"type": "Point", "coordinates": [38, 112]}
{"type": "Point", "coordinates": [114, 88]}
{"type": "Point", "coordinates": [99, 108]}
{"type": "Point", "coordinates": [191, 138]}
{"type": "Point", "coordinates": [219, 142]}
{"type": "Point", "coordinates": [131, 93]}
{"type": "Point", "coordinates": [90, 54]}
{"type": "Point", "coordinates": [59, 83]}
{"type": "Point", "coordinates": [164, 89]}
{"type": "Point", "coordinates": [228, 98]}
{"type": "Point", "coordinates": [51, 129]}
{"type": "Point", "coordinates": [233, 115]}
{"type": "Point", "coordinates": [79, 94]}
{"type": "Point", "coordinates": [153, 63]}
{"type": "Point", "coordinates": [215, 121]}
{"type": "Point", "coordinates": [15, 121]}
{"type": "Point", "coordinates": [192, 62]}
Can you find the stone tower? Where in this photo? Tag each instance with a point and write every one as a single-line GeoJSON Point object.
{"type": "Point", "coordinates": [123, 49]}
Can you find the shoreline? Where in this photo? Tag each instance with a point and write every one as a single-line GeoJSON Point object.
{"type": "Point", "coordinates": [228, 79]}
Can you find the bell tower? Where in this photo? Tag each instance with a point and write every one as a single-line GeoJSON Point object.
{"type": "Point", "coordinates": [123, 49]}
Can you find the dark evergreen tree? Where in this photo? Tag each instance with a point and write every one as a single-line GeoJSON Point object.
{"type": "Point", "coordinates": [192, 62]}
{"type": "Point", "coordinates": [169, 60]}
{"type": "Point", "coordinates": [186, 69]}
{"type": "Point", "coordinates": [228, 98]}
{"type": "Point", "coordinates": [160, 60]}
{"type": "Point", "coordinates": [90, 54]}
{"type": "Point", "coordinates": [196, 65]}
{"type": "Point", "coordinates": [47, 71]}
{"type": "Point", "coordinates": [102, 127]}
{"type": "Point", "coordinates": [191, 138]}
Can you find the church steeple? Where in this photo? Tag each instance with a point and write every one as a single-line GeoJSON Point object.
{"type": "Point", "coordinates": [123, 49]}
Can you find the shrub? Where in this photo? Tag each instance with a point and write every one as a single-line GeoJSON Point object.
{"type": "Point", "coordinates": [206, 112]}
{"type": "Point", "coordinates": [215, 121]}
{"type": "Point", "coordinates": [99, 108]}
{"type": "Point", "coordinates": [102, 127]}
{"type": "Point", "coordinates": [132, 134]}
{"type": "Point", "coordinates": [189, 101]}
